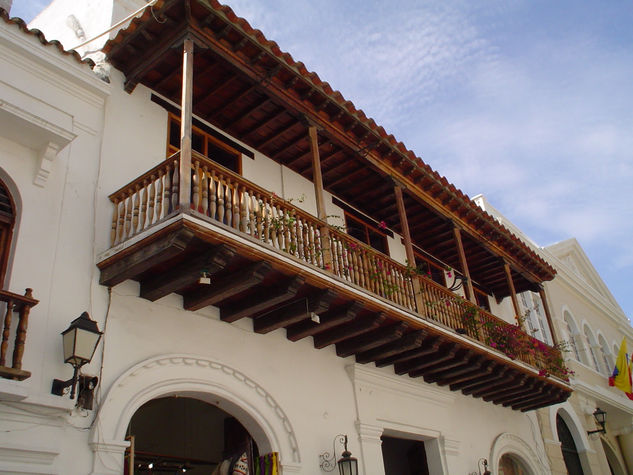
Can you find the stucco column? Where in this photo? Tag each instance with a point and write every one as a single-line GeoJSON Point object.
{"type": "Point", "coordinates": [371, 449]}
{"type": "Point", "coordinates": [626, 447]}
{"type": "Point", "coordinates": [108, 457]}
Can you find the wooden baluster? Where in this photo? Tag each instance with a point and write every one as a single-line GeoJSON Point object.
{"type": "Point", "coordinates": [265, 216]}
{"type": "Point", "coordinates": [299, 237]}
{"type": "Point", "coordinates": [135, 210]}
{"type": "Point", "coordinates": [128, 213]}
{"type": "Point", "coordinates": [364, 267]}
{"type": "Point", "coordinates": [20, 334]}
{"type": "Point", "coordinates": [167, 192]}
{"type": "Point", "coordinates": [205, 191]}
{"type": "Point", "coordinates": [288, 227]}
{"type": "Point", "coordinates": [310, 242]}
{"type": "Point", "coordinates": [291, 234]}
{"type": "Point", "coordinates": [236, 206]}
{"type": "Point", "coordinates": [220, 195]}
{"type": "Point", "coordinates": [336, 257]}
{"type": "Point", "coordinates": [259, 219]}
{"type": "Point", "coordinates": [213, 196]}
{"type": "Point", "coordinates": [195, 185]}
{"type": "Point", "coordinates": [152, 200]}
{"type": "Point", "coordinates": [144, 202]}
{"type": "Point", "coordinates": [6, 332]}
{"type": "Point", "coordinates": [243, 198]}
{"type": "Point", "coordinates": [121, 226]}
{"type": "Point", "coordinates": [274, 224]}
{"type": "Point", "coordinates": [227, 202]}
{"type": "Point", "coordinates": [175, 189]}
{"type": "Point", "coordinates": [115, 218]}
{"type": "Point", "coordinates": [251, 202]}
{"type": "Point", "coordinates": [159, 196]}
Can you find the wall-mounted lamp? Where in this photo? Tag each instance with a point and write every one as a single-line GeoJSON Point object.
{"type": "Point", "coordinates": [600, 417]}
{"type": "Point", "coordinates": [347, 465]}
{"type": "Point", "coordinates": [80, 341]}
{"type": "Point", "coordinates": [483, 463]}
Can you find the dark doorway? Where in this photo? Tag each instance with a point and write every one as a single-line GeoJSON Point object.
{"type": "Point", "coordinates": [568, 446]}
{"type": "Point", "coordinates": [174, 435]}
{"type": "Point", "coordinates": [404, 457]}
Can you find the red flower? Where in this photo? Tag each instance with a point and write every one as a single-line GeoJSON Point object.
{"type": "Point", "coordinates": [382, 225]}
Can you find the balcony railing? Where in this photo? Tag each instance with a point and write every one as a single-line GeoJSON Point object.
{"type": "Point", "coordinates": [20, 305]}
{"type": "Point", "coordinates": [221, 196]}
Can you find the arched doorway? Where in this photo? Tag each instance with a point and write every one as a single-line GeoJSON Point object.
{"type": "Point", "coordinates": [174, 435]}
{"type": "Point", "coordinates": [568, 447]}
{"type": "Point", "coordinates": [512, 465]}
{"type": "Point", "coordinates": [7, 221]}
{"type": "Point", "coordinates": [615, 466]}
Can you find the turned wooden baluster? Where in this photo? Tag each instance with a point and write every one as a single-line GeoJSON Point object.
{"type": "Point", "coordinates": [115, 217]}
{"type": "Point", "coordinates": [220, 195]}
{"type": "Point", "coordinates": [167, 192]}
{"type": "Point", "coordinates": [213, 196]}
{"type": "Point", "coordinates": [135, 210]}
{"type": "Point", "coordinates": [121, 225]}
{"type": "Point", "coordinates": [128, 214]}
{"type": "Point", "coordinates": [228, 211]}
{"type": "Point", "coordinates": [274, 224]}
{"type": "Point", "coordinates": [243, 197]}
{"type": "Point", "coordinates": [299, 237]}
{"type": "Point", "coordinates": [195, 185]}
{"type": "Point", "coordinates": [310, 241]}
{"type": "Point", "coordinates": [175, 189]}
{"type": "Point", "coordinates": [144, 205]}
{"type": "Point", "coordinates": [252, 213]}
{"type": "Point", "coordinates": [158, 195]}
{"type": "Point", "coordinates": [236, 206]}
{"type": "Point", "coordinates": [288, 228]}
{"type": "Point", "coordinates": [151, 200]}
{"type": "Point", "coordinates": [6, 332]}
{"type": "Point", "coordinates": [20, 334]}
{"type": "Point", "coordinates": [205, 191]}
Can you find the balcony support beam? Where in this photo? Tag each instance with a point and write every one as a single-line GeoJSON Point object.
{"type": "Point", "coordinates": [513, 294]}
{"type": "Point", "coordinates": [186, 112]}
{"type": "Point", "coordinates": [548, 314]}
{"type": "Point", "coordinates": [309, 328]}
{"type": "Point", "coordinates": [408, 342]}
{"type": "Point", "coordinates": [369, 341]}
{"type": "Point", "coordinates": [358, 327]}
{"type": "Point", "coordinates": [318, 192]}
{"type": "Point", "coordinates": [408, 245]}
{"type": "Point", "coordinates": [468, 288]}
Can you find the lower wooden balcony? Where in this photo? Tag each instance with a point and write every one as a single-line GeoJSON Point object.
{"type": "Point", "coordinates": [269, 261]}
{"type": "Point", "coordinates": [20, 306]}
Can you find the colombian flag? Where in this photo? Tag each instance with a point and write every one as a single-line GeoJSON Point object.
{"type": "Point", "coordinates": [621, 377]}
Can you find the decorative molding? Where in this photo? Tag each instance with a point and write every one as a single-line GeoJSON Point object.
{"type": "Point", "coordinates": [507, 443]}
{"type": "Point", "coordinates": [195, 376]}
{"type": "Point", "coordinates": [377, 379]}
{"type": "Point", "coordinates": [31, 455]}
{"type": "Point", "coordinates": [451, 446]}
{"type": "Point", "coordinates": [46, 157]}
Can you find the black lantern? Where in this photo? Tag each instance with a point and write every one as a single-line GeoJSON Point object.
{"type": "Point", "coordinates": [80, 341]}
{"type": "Point", "coordinates": [347, 465]}
{"type": "Point", "coordinates": [483, 463]}
{"type": "Point", "coordinates": [600, 417]}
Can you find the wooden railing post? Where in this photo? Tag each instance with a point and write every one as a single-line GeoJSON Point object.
{"type": "Point", "coordinates": [513, 294]}
{"type": "Point", "coordinates": [468, 288]}
{"type": "Point", "coordinates": [320, 201]}
{"type": "Point", "coordinates": [184, 198]}
{"type": "Point", "coordinates": [20, 334]}
{"type": "Point", "coordinates": [548, 315]}
{"type": "Point", "coordinates": [408, 244]}
{"type": "Point", "coordinates": [6, 332]}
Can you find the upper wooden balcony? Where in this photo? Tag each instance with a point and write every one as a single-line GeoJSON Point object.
{"type": "Point", "coordinates": [282, 267]}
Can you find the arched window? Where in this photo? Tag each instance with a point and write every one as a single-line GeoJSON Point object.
{"type": "Point", "coordinates": [606, 355]}
{"type": "Point", "coordinates": [511, 465]}
{"type": "Point", "coordinates": [7, 221]}
{"type": "Point", "coordinates": [572, 332]}
{"type": "Point", "coordinates": [591, 348]}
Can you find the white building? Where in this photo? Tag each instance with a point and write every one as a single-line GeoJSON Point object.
{"type": "Point", "coordinates": [232, 315]}
{"type": "Point", "coordinates": [589, 319]}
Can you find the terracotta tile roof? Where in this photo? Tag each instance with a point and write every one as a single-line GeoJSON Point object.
{"type": "Point", "coordinates": [42, 39]}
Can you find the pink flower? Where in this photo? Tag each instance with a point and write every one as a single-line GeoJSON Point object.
{"type": "Point", "coordinates": [450, 274]}
{"type": "Point", "coordinates": [327, 266]}
{"type": "Point", "coordinates": [382, 225]}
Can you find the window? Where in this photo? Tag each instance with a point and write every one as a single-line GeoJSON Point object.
{"type": "Point", "coordinates": [535, 316]}
{"type": "Point", "coordinates": [572, 332]}
{"type": "Point", "coordinates": [606, 356]}
{"type": "Point", "coordinates": [591, 348]}
{"type": "Point", "coordinates": [205, 143]}
{"type": "Point", "coordinates": [482, 299]}
{"type": "Point", "coordinates": [7, 220]}
{"type": "Point", "coordinates": [404, 456]}
{"type": "Point", "coordinates": [366, 233]}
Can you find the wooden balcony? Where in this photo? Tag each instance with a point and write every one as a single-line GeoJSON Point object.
{"type": "Point", "coordinates": [20, 305]}
{"type": "Point", "coordinates": [280, 266]}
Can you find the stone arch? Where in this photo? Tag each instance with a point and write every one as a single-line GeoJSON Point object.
{"type": "Point", "coordinates": [577, 429]}
{"type": "Point", "coordinates": [9, 191]}
{"type": "Point", "coordinates": [200, 378]}
{"type": "Point", "coordinates": [613, 457]}
{"type": "Point", "coordinates": [507, 443]}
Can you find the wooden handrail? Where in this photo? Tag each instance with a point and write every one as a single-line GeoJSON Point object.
{"type": "Point", "coordinates": [20, 304]}
{"type": "Point", "coordinates": [221, 195]}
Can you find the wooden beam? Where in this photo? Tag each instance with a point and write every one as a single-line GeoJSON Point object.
{"type": "Point", "coordinates": [263, 299]}
{"type": "Point", "coordinates": [233, 284]}
{"type": "Point", "coordinates": [186, 273]}
{"type": "Point", "coordinates": [332, 319]}
{"type": "Point", "coordinates": [408, 245]}
{"type": "Point", "coordinates": [467, 374]}
{"type": "Point", "coordinates": [470, 292]}
{"type": "Point", "coordinates": [275, 136]}
{"type": "Point", "coordinates": [350, 330]}
{"type": "Point", "coordinates": [295, 312]}
{"type": "Point", "coordinates": [444, 364]}
{"type": "Point", "coordinates": [545, 391]}
{"type": "Point", "coordinates": [230, 102]}
{"type": "Point", "coordinates": [184, 200]}
{"type": "Point", "coordinates": [466, 364]}
{"type": "Point", "coordinates": [429, 345]}
{"type": "Point", "coordinates": [266, 122]}
{"type": "Point", "coordinates": [548, 314]}
{"type": "Point", "coordinates": [445, 352]}
{"type": "Point", "coordinates": [498, 374]}
{"type": "Point", "coordinates": [408, 342]}
{"type": "Point", "coordinates": [146, 257]}
{"type": "Point", "coordinates": [513, 294]}
{"type": "Point", "coordinates": [373, 339]}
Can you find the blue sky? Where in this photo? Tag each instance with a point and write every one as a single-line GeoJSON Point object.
{"type": "Point", "coordinates": [528, 102]}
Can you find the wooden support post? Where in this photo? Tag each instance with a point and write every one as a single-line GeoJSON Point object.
{"type": "Point", "coordinates": [184, 200]}
{"type": "Point", "coordinates": [408, 245]}
{"type": "Point", "coordinates": [548, 314]}
{"type": "Point", "coordinates": [513, 294]}
{"type": "Point", "coordinates": [20, 333]}
{"type": "Point", "coordinates": [468, 288]}
{"type": "Point", "coordinates": [320, 201]}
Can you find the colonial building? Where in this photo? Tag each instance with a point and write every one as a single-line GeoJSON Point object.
{"type": "Point", "coordinates": [269, 267]}
{"type": "Point", "coordinates": [589, 320]}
